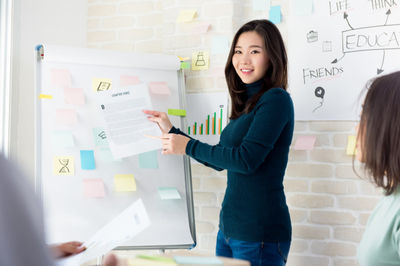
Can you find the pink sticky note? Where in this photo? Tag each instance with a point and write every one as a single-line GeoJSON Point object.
{"type": "Point", "coordinates": [129, 80]}
{"type": "Point", "coordinates": [305, 143]}
{"type": "Point", "coordinates": [201, 27]}
{"type": "Point", "coordinates": [159, 88]}
{"type": "Point", "coordinates": [93, 188]}
{"type": "Point", "coordinates": [74, 96]}
{"type": "Point", "coordinates": [60, 78]}
{"type": "Point", "coordinates": [66, 117]}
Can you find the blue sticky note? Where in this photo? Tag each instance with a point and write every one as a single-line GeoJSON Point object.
{"type": "Point", "coordinates": [148, 160]}
{"type": "Point", "coordinates": [100, 137]}
{"type": "Point", "coordinates": [87, 160]}
{"type": "Point", "coordinates": [302, 7]}
{"type": "Point", "coordinates": [62, 139]}
{"type": "Point", "coordinates": [275, 14]}
{"type": "Point", "coordinates": [167, 193]}
{"type": "Point", "coordinates": [196, 260]}
{"type": "Point", "coordinates": [219, 45]}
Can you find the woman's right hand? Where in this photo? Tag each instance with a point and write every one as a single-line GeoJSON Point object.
{"type": "Point", "coordinates": [160, 118]}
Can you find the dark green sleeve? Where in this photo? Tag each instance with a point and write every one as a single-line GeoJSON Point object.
{"type": "Point", "coordinates": [175, 130]}
{"type": "Point", "coordinates": [272, 113]}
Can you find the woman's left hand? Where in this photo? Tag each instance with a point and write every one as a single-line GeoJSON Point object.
{"type": "Point", "coordinates": [67, 249]}
{"type": "Point", "coordinates": [174, 144]}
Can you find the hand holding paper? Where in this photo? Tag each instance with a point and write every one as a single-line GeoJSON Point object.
{"type": "Point", "coordinates": [160, 118]}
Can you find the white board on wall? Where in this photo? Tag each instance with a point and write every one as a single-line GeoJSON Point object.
{"type": "Point", "coordinates": [71, 213]}
{"type": "Point", "coordinates": [335, 50]}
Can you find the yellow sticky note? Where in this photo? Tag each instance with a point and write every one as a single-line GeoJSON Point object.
{"type": "Point", "coordinates": [200, 60]}
{"type": "Point", "coordinates": [186, 15]}
{"type": "Point", "coordinates": [124, 182]}
{"type": "Point", "coordinates": [101, 84]}
{"type": "Point", "coordinates": [63, 165]}
{"type": "Point", "coordinates": [351, 145]}
{"type": "Point", "coordinates": [177, 112]}
{"type": "Point", "coordinates": [45, 96]}
{"type": "Point", "coordinates": [183, 58]}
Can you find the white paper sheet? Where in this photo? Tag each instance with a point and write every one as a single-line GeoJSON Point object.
{"type": "Point", "coordinates": [126, 124]}
{"type": "Point", "coordinates": [121, 229]}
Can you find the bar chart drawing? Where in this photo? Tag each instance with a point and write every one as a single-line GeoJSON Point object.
{"type": "Point", "coordinates": [206, 116]}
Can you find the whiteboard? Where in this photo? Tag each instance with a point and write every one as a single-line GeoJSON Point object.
{"type": "Point", "coordinates": [335, 50]}
{"type": "Point", "coordinates": [69, 213]}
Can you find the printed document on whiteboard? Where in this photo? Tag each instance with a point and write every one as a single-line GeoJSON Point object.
{"type": "Point", "coordinates": [125, 123]}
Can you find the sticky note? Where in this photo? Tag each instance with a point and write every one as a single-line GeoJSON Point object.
{"type": "Point", "coordinates": [196, 260]}
{"type": "Point", "coordinates": [156, 258]}
{"type": "Point", "coordinates": [148, 160]}
{"type": "Point", "coordinates": [351, 145]}
{"type": "Point", "coordinates": [305, 143]}
{"type": "Point", "coordinates": [100, 137]}
{"type": "Point", "coordinates": [275, 14]}
{"type": "Point", "coordinates": [302, 7]}
{"type": "Point", "coordinates": [183, 58]}
{"type": "Point", "coordinates": [66, 117]}
{"type": "Point", "coordinates": [186, 15]}
{"type": "Point", "coordinates": [87, 160]}
{"type": "Point", "coordinates": [60, 78]}
{"type": "Point", "coordinates": [160, 88]}
{"type": "Point", "coordinates": [62, 139]}
{"type": "Point", "coordinates": [93, 188]}
{"type": "Point", "coordinates": [219, 45]}
{"type": "Point", "coordinates": [261, 5]}
{"type": "Point", "coordinates": [45, 96]}
{"type": "Point", "coordinates": [201, 27]}
{"type": "Point", "coordinates": [124, 182]}
{"type": "Point", "coordinates": [200, 60]}
{"type": "Point", "coordinates": [177, 112]}
{"type": "Point", "coordinates": [63, 165]}
{"type": "Point", "coordinates": [74, 96]}
{"type": "Point", "coordinates": [101, 84]}
{"type": "Point", "coordinates": [167, 193]}
{"type": "Point", "coordinates": [185, 65]}
{"type": "Point", "coordinates": [128, 80]}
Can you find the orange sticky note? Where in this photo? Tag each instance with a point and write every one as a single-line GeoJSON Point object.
{"type": "Point", "coordinates": [66, 117]}
{"type": "Point", "coordinates": [305, 143]}
{"type": "Point", "coordinates": [93, 188]}
{"type": "Point", "coordinates": [74, 96]}
{"type": "Point", "coordinates": [60, 78]}
{"type": "Point", "coordinates": [129, 80]}
{"type": "Point", "coordinates": [160, 88]}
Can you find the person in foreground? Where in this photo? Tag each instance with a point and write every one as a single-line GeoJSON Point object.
{"type": "Point", "coordinates": [378, 148]}
{"type": "Point", "coordinates": [254, 219]}
{"type": "Point", "coordinates": [22, 240]}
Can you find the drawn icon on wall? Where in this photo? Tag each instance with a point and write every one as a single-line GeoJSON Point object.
{"type": "Point", "coordinates": [327, 46]}
{"type": "Point", "coordinates": [102, 135]}
{"type": "Point", "coordinates": [63, 165]}
{"type": "Point", "coordinates": [200, 59]}
{"type": "Point", "coordinates": [101, 84]}
{"type": "Point", "coordinates": [312, 36]}
{"type": "Point", "coordinates": [319, 93]}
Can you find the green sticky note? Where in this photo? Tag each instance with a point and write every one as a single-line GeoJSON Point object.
{"type": "Point", "coordinates": [185, 65]}
{"type": "Point", "coordinates": [63, 139]}
{"type": "Point", "coordinates": [167, 193]}
{"type": "Point", "coordinates": [148, 160]}
{"type": "Point", "coordinates": [177, 112]}
{"type": "Point", "coordinates": [100, 137]}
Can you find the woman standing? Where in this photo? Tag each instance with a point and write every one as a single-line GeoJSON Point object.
{"type": "Point", "coordinates": [378, 148]}
{"type": "Point", "coordinates": [254, 219]}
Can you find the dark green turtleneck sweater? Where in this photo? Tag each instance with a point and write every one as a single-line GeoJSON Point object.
{"type": "Point", "coordinates": [254, 149]}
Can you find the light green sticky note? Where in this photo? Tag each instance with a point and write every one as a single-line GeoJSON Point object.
{"type": "Point", "coordinates": [100, 138]}
{"type": "Point", "coordinates": [177, 112]}
{"type": "Point", "coordinates": [167, 193]}
{"type": "Point", "coordinates": [196, 260]}
{"type": "Point", "coordinates": [148, 160]}
{"type": "Point", "coordinates": [62, 139]}
{"type": "Point", "coordinates": [105, 155]}
{"type": "Point", "coordinates": [156, 258]}
{"type": "Point", "coordinates": [185, 65]}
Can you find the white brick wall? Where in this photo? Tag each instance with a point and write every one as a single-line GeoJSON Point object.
{"type": "Point", "coordinates": [329, 204]}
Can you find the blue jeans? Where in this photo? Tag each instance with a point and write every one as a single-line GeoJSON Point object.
{"type": "Point", "coordinates": [258, 253]}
